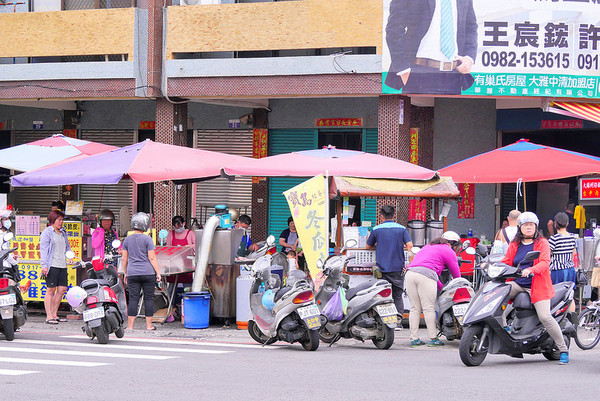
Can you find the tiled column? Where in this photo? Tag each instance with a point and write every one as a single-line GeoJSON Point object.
{"type": "Point", "coordinates": [155, 34]}
{"type": "Point", "coordinates": [171, 128]}
{"type": "Point", "coordinates": [260, 190]}
{"type": "Point", "coordinates": [394, 141]}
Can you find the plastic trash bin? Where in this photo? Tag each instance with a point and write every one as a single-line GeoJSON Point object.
{"type": "Point", "coordinates": [196, 306]}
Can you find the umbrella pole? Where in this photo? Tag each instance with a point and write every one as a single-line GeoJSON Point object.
{"type": "Point", "coordinates": [524, 197]}
{"type": "Point", "coordinates": [338, 236]}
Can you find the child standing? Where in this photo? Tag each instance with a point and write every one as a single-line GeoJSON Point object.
{"type": "Point", "coordinates": [562, 247]}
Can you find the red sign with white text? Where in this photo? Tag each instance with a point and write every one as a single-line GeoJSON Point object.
{"type": "Point", "coordinates": [339, 122]}
{"type": "Point", "coordinates": [561, 124]}
{"type": "Point", "coordinates": [590, 188]}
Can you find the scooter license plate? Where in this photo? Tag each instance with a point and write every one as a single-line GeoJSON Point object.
{"type": "Point", "coordinates": [92, 314]}
{"type": "Point", "coordinates": [7, 300]}
{"type": "Point", "coordinates": [386, 310]}
{"type": "Point", "coordinates": [459, 311]}
{"type": "Point", "coordinates": [308, 311]}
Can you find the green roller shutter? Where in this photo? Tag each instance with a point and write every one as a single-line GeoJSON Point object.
{"type": "Point", "coordinates": [285, 141]}
{"type": "Point", "coordinates": [368, 207]}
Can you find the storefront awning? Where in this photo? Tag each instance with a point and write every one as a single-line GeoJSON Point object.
{"type": "Point", "coordinates": [587, 111]}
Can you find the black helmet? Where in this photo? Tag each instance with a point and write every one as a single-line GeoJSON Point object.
{"type": "Point", "coordinates": [140, 221]}
{"type": "Point", "coordinates": [106, 214]}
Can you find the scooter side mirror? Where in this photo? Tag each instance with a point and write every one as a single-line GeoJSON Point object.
{"type": "Point", "coordinates": [465, 245]}
{"type": "Point", "coordinates": [320, 264]}
{"type": "Point", "coordinates": [8, 236]}
{"type": "Point", "coordinates": [116, 243]}
{"type": "Point", "coordinates": [270, 240]}
{"type": "Point", "coordinates": [531, 256]}
{"type": "Point", "coordinates": [470, 250]}
{"type": "Point", "coordinates": [70, 254]}
{"type": "Point", "coordinates": [415, 249]}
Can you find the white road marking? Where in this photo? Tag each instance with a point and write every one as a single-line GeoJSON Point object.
{"type": "Point", "coordinates": [83, 353]}
{"type": "Point", "coordinates": [53, 362]}
{"type": "Point", "coordinates": [10, 372]}
{"type": "Point", "coordinates": [121, 346]}
{"type": "Point", "coordinates": [182, 342]}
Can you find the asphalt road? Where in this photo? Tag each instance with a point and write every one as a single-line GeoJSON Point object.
{"type": "Point", "coordinates": [58, 363]}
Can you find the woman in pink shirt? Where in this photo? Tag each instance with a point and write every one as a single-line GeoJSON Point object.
{"type": "Point", "coordinates": [422, 284]}
{"type": "Point", "coordinates": [180, 235]}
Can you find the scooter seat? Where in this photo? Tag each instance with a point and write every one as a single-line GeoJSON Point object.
{"type": "Point", "coordinates": [351, 293]}
{"type": "Point", "coordinates": [281, 292]}
{"type": "Point", "coordinates": [522, 301]}
{"type": "Point", "coordinates": [93, 283]}
{"type": "Point", "coordinates": [560, 290]}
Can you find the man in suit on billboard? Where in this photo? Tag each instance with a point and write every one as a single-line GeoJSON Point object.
{"type": "Point", "coordinates": [432, 44]}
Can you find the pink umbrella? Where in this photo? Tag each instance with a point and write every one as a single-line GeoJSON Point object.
{"type": "Point", "coordinates": [142, 162]}
{"type": "Point", "coordinates": [335, 162]}
{"type": "Point", "coordinates": [42, 153]}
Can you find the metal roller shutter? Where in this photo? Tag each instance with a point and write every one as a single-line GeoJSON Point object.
{"type": "Point", "coordinates": [113, 197]}
{"type": "Point", "coordinates": [285, 141]}
{"type": "Point", "coordinates": [34, 199]}
{"type": "Point", "coordinates": [237, 193]}
{"type": "Point", "coordinates": [369, 206]}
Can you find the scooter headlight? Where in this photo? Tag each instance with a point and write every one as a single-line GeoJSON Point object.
{"type": "Point", "coordinates": [489, 307]}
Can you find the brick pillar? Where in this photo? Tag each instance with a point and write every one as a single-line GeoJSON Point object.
{"type": "Point", "coordinates": [171, 128]}
{"type": "Point", "coordinates": [155, 34]}
{"type": "Point", "coordinates": [260, 190]}
{"type": "Point", "coordinates": [394, 141]}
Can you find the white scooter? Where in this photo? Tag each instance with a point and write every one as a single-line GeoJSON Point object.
{"type": "Point", "coordinates": [287, 312]}
{"type": "Point", "coordinates": [13, 313]}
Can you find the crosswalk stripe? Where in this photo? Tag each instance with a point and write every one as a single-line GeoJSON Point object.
{"type": "Point", "coordinates": [183, 342]}
{"type": "Point", "coordinates": [11, 372]}
{"type": "Point", "coordinates": [53, 362]}
{"type": "Point", "coordinates": [83, 353]}
{"type": "Point", "coordinates": [121, 346]}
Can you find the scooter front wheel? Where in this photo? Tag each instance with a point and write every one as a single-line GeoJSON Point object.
{"type": "Point", "coordinates": [312, 343]}
{"type": "Point", "coordinates": [257, 335]}
{"type": "Point", "coordinates": [469, 343]}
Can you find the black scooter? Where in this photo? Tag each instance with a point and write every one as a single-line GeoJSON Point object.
{"type": "Point", "coordinates": [483, 329]}
{"type": "Point", "coordinates": [12, 308]}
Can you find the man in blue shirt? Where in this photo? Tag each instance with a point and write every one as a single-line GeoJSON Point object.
{"type": "Point", "coordinates": [389, 239]}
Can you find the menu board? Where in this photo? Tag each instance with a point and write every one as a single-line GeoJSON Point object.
{"type": "Point", "coordinates": [27, 225]}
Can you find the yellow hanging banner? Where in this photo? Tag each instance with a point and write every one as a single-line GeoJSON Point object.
{"type": "Point", "coordinates": [308, 204]}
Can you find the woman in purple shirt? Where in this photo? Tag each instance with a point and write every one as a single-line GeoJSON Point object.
{"type": "Point", "coordinates": [423, 282]}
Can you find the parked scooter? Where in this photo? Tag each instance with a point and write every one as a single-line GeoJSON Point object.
{"type": "Point", "coordinates": [287, 312]}
{"type": "Point", "coordinates": [371, 313]}
{"type": "Point", "coordinates": [12, 307]}
{"type": "Point", "coordinates": [484, 332]}
{"type": "Point", "coordinates": [451, 305]}
{"type": "Point", "coordinates": [97, 299]}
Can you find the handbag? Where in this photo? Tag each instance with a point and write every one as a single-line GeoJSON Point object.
{"type": "Point", "coordinates": [581, 277]}
{"type": "Point", "coordinates": [595, 277]}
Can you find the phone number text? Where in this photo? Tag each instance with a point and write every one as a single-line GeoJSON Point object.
{"type": "Point", "coordinates": [538, 60]}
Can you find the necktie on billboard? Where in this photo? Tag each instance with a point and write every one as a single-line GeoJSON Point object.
{"type": "Point", "coordinates": [447, 38]}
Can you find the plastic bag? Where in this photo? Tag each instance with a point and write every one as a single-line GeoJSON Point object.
{"type": "Point", "coordinates": [581, 278]}
{"type": "Point", "coordinates": [334, 309]}
{"type": "Point", "coordinates": [497, 247]}
{"type": "Point", "coordinates": [343, 298]}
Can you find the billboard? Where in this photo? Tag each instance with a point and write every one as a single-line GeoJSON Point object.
{"type": "Point", "coordinates": [492, 48]}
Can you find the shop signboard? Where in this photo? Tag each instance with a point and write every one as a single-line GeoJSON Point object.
{"type": "Point", "coordinates": [466, 205]}
{"type": "Point", "coordinates": [73, 228]}
{"type": "Point", "coordinates": [589, 189]}
{"type": "Point", "coordinates": [37, 290]}
{"type": "Point", "coordinates": [27, 225]}
{"type": "Point", "coordinates": [307, 202]}
{"type": "Point", "coordinates": [503, 48]}
{"type": "Point", "coordinates": [28, 246]}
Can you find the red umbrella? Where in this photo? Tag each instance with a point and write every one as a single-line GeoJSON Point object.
{"type": "Point", "coordinates": [524, 161]}
{"type": "Point", "coordinates": [332, 161]}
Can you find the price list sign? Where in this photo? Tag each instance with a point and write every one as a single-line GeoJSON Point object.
{"type": "Point", "coordinates": [27, 225]}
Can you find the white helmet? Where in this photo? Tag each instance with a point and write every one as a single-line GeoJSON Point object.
{"type": "Point", "coordinates": [451, 236]}
{"type": "Point", "coordinates": [528, 217]}
{"type": "Point", "coordinates": [75, 296]}
{"type": "Point", "coordinates": [140, 221]}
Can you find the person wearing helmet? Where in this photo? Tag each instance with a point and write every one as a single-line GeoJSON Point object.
{"type": "Point", "coordinates": [540, 286]}
{"type": "Point", "coordinates": [423, 282]}
{"type": "Point", "coordinates": [562, 247]}
{"type": "Point", "coordinates": [140, 267]}
{"type": "Point", "coordinates": [389, 239]}
{"type": "Point", "coordinates": [246, 245]}
{"type": "Point", "coordinates": [180, 236]}
{"type": "Point", "coordinates": [104, 235]}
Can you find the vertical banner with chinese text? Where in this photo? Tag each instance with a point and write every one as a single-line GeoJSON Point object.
{"type": "Point", "coordinates": [417, 209]}
{"type": "Point", "coordinates": [308, 203]}
{"type": "Point", "coordinates": [466, 206]}
{"type": "Point", "coordinates": [259, 148]}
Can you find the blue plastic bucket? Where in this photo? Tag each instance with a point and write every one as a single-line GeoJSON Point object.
{"type": "Point", "coordinates": [196, 306]}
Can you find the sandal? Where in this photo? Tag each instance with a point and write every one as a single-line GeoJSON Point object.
{"type": "Point", "coordinates": [52, 321]}
{"type": "Point", "coordinates": [61, 320]}
{"type": "Point", "coordinates": [151, 328]}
